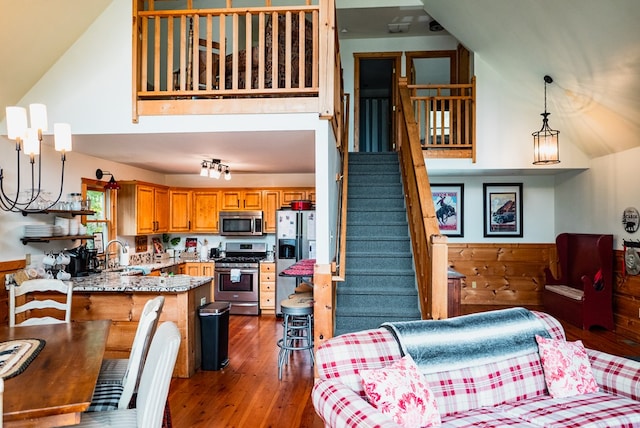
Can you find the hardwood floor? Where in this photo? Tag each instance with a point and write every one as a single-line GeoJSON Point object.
{"type": "Point", "coordinates": [247, 393]}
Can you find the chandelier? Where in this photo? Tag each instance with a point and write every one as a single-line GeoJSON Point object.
{"type": "Point", "coordinates": [28, 138]}
{"type": "Point", "coordinates": [214, 169]}
{"type": "Point", "coordinates": [546, 149]}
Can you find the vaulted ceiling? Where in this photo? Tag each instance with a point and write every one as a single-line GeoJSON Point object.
{"type": "Point", "coordinates": [591, 48]}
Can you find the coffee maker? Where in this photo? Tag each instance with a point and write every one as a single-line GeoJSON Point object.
{"type": "Point", "coordinates": [83, 261]}
{"type": "Point", "coordinates": [78, 261]}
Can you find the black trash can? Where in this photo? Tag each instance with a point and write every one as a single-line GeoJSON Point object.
{"type": "Point", "coordinates": [214, 335]}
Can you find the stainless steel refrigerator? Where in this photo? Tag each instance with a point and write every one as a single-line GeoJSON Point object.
{"type": "Point", "coordinates": [295, 240]}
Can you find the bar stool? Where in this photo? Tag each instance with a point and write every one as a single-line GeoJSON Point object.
{"type": "Point", "coordinates": [297, 333]}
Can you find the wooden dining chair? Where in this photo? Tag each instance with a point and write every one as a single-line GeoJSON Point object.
{"type": "Point", "coordinates": [32, 288]}
{"type": "Point", "coordinates": [154, 386]}
{"type": "Point", "coordinates": [118, 379]}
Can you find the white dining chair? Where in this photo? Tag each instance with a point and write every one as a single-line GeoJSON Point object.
{"type": "Point", "coordinates": [153, 390]}
{"type": "Point", "coordinates": [118, 379]}
{"type": "Point", "coordinates": [35, 286]}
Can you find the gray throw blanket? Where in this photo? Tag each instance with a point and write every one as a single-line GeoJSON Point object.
{"type": "Point", "coordinates": [470, 340]}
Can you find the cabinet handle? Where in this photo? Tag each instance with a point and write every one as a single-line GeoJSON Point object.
{"type": "Point", "coordinates": [189, 224]}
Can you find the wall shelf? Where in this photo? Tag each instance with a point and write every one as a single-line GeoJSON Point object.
{"type": "Point", "coordinates": [54, 238]}
{"type": "Point", "coordinates": [72, 213]}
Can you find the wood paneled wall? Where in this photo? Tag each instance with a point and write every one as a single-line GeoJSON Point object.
{"type": "Point", "coordinates": [5, 268]}
{"type": "Point", "coordinates": [513, 275]}
{"type": "Point", "coordinates": [504, 274]}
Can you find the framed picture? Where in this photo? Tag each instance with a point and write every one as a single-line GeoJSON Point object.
{"type": "Point", "coordinates": [502, 209]}
{"type": "Point", "coordinates": [448, 201]}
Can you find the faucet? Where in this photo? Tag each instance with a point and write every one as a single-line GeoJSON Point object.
{"type": "Point", "coordinates": [106, 252]}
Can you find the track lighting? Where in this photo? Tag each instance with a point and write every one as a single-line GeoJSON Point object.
{"type": "Point", "coordinates": [214, 169]}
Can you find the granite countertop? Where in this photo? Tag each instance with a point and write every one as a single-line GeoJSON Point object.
{"type": "Point", "coordinates": [114, 281]}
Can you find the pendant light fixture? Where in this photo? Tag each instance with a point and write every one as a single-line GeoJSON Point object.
{"type": "Point", "coordinates": [546, 149]}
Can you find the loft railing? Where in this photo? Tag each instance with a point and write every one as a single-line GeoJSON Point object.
{"type": "Point", "coordinates": [236, 53]}
{"type": "Point", "coordinates": [445, 116]}
{"type": "Point", "coordinates": [429, 247]}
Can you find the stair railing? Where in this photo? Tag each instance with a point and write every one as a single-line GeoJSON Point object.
{"type": "Point", "coordinates": [429, 247]}
{"type": "Point", "coordinates": [324, 280]}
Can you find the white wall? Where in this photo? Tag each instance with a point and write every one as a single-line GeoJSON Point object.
{"type": "Point", "coordinates": [593, 201]}
{"type": "Point", "coordinates": [537, 200]}
{"type": "Point", "coordinates": [76, 167]}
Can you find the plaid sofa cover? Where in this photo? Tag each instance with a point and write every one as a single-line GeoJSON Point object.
{"type": "Point", "coordinates": [511, 392]}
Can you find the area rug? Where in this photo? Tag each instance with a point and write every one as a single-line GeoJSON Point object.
{"type": "Point", "coordinates": [16, 355]}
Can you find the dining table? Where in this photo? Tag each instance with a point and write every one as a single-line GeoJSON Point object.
{"type": "Point", "coordinates": [55, 384]}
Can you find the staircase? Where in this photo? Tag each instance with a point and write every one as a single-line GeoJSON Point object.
{"type": "Point", "coordinates": [380, 282]}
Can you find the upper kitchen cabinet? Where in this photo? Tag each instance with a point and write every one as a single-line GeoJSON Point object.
{"type": "Point", "coordinates": [179, 210]}
{"type": "Point", "coordinates": [241, 199]}
{"type": "Point", "coordinates": [193, 210]}
{"type": "Point", "coordinates": [270, 204]}
{"type": "Point", "coordinates": [143, 208]}
{"type": "Point", "coordinates": [289, 195]}
{"type": "Point", "coordinates": [204, 213]}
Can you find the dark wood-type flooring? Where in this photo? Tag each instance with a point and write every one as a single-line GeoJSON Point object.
{"type": "Point", "coordinates": [247, 393]}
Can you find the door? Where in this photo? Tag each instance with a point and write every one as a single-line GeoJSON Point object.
{"type": "Point", "coordinates": [376, 97]}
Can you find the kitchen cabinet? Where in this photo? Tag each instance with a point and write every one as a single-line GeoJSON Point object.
{"type": "Point", "coordinates": [268, 287]}
{"type": "Point", "coordinates": [179, 210]}
{"type": "Point", "coordinates": [143, 208]}
{"type": "Point", "coordinates": [199, 268]}
{"type": "Point", "coordinates": [193, 210]}
{"type": "Point", "coordinates": [204, 212]}
{"type": "Point", "coordinates": [270, 204]}
{"type": "Point", "coordinates": [241, 199]}
{"type": "Point", "coordinates": [297, 194]}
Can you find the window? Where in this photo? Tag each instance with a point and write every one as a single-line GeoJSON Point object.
{"type": "Point", "coordinates": [103, 202]}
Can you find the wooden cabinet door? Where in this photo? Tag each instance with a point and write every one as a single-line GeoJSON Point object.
{"type": "Point", "coordinates": [205, 211]}
{"type": "Point", "coordinates": [292, 195]}
{"type": "Point", "coordinates": [179, 210]}
{"type": "Point", "coordinates": [230, 200]}
{"type": "Point", "coordinates": [161, 205]}
{"type": "Point", "coordinates": [252, 200]}
{"type": "Point", "coordinates": [192, 268]}
{"type": "Point", "coordinates": [311, 195]}
{"type": "Point", "coordinates": [207, 269]}
{"type": "Point", "coordinates": [271, 204]}
{"type": "Point", "coordinates": [145, 220]}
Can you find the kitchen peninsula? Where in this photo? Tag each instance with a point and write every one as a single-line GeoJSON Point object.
{"type": "Point", "coordinates": [121, 298]}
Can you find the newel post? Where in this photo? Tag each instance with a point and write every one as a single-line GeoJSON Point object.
{"type": "Point", "coordinates": [439, 268]}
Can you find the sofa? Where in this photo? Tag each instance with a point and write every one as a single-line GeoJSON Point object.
{"type": "Point", "coordinates": [479, 370]}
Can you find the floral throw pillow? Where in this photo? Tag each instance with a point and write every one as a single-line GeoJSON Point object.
{"type": "Point", "coordinates": [402, 392]}
{"type": "Point", "coordinates": [567, 371]}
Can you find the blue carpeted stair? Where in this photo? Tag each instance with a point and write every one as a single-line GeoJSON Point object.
{"type": "Point", "coordinates": [380, 283]}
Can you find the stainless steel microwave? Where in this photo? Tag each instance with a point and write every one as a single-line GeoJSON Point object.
{"type": "Point", "coordinates": [241, 223]}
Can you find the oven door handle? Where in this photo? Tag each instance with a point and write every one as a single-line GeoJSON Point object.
{"type": "Point", "coordinates": [244, 304]}
{"type": "Point", "coordinates": [249, 271]}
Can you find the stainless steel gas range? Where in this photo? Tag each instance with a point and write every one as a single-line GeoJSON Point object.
{"type": "Point", "coordinates": [237, 277]}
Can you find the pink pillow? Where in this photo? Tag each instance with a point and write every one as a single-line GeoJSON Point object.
{"type": "Point", "coordinates": [567, 371]}
{"type": "Point", "coordinates": [402, 392]}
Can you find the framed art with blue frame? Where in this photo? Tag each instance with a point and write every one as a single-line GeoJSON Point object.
{"type": "Point", "coordinates": [502, 209]}
{"type": "Point", "coordinates": [448, 201]}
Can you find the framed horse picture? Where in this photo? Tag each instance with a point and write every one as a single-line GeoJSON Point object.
{"type": "Point", "coordinates": [448, 201]}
